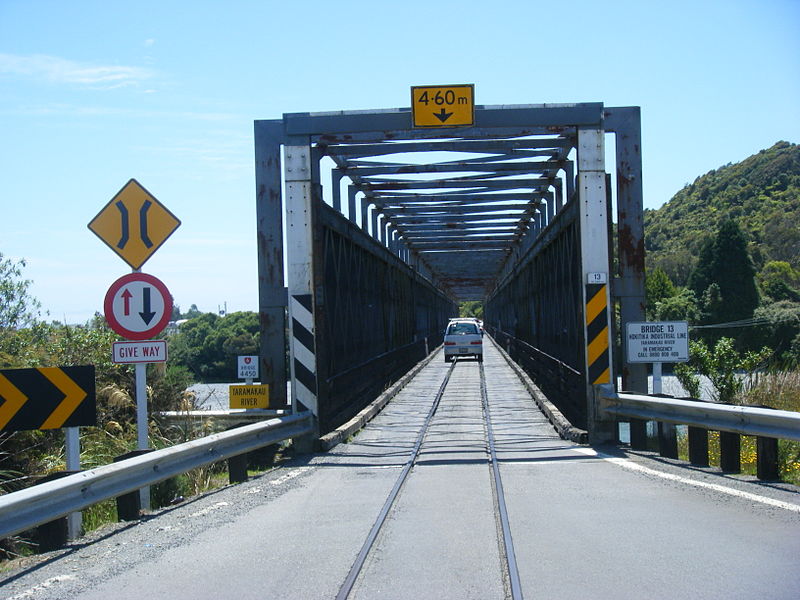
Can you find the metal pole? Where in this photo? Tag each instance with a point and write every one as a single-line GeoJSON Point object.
{"type": "Point", "coordinates": [141, 422]}
{"type": "Point", "coordinates": [667, 434]}
{"type": "Point", "coordinates": [657, 378]}
{"type": "Point", "coordinates": [73, 451]}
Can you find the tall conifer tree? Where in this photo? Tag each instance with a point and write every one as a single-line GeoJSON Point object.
{"type": "Point", "coordinates": [700, 277]}
{"type": "Point", "coordinates": [732, 269]}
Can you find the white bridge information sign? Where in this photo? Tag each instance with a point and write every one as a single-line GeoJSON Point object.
{"type": "Point", "coordinates": [658, 342]}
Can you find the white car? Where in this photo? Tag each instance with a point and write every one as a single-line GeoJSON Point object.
{"type": "Point", "coordinates": [463, 338]}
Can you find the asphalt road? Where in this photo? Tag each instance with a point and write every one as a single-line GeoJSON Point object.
{"type": "Point", "coordinates": [586, 523]}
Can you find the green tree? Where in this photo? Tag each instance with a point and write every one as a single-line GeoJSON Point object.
{"type": "Point", "coordinates": [733, 271]}
{"type": "Point", "coordinates": [726, 368]}
{"type": "Point", "coordinates": [682, 306]}
{"type": "Point", "coordinates": [701, 276]}
{"type": "Point", "coordinates": [658, 287]}
{"type": "Point", "coordinates": [711, 304]}
{"type": "Point", "coordinates": [19, 311]}
{"type": "Point", "coordinates": [209, 344]}
{"type": "Point", "coordinates": [778, 325]}
{"type": "Point", "coordinates": [471, 308]}
{"type": "Point", "coordinates": [17, 307]}
{"type": "Point", "coordinates": [779, 281]}
{"type": "Point", "coordinates": [724, 277]}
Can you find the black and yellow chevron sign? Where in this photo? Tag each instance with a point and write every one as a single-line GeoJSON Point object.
{"type": "Point", "coordinates": [47, 398]}
{"type": "Point", "coordinates": [597, 333]}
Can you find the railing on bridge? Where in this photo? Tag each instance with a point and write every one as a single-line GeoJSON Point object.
{"type": "Point", "coordinates": [536, 314]}
{"type": "Point", "coordinates": [767, 424]}
{"type": "Point", "coordinates": [375, 317]}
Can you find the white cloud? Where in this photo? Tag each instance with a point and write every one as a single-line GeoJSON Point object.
{"type": "Point", "coordinates": [62, 71]}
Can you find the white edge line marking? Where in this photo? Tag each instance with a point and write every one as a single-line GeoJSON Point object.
{"type": "Point", "coordinates": [42, 586]}
{"type": "Point", "coordinates": [629, 464]}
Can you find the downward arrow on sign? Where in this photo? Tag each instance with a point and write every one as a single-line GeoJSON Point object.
{"type": "Point", "coordinates": [147, 314]}
{"type": "Point", "coordinates": [443, 116]}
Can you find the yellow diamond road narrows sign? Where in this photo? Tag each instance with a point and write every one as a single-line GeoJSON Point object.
{"type": "Point", "coordinates": [134, 224]}
{"type": "Point", "coordinates": [443, 105]}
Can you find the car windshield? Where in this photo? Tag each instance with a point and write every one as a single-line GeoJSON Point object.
{"type": "Point", "coordinates": [462, 329]}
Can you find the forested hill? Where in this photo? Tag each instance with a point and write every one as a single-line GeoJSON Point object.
{"type": "Point", "coordinates": [762, 193]}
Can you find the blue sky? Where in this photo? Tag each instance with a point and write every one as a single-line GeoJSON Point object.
{"type": "Point", "coordinates": [95, 93]}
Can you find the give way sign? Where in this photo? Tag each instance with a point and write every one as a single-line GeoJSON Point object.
{"type": "Point", "coordinates": [138, 306]}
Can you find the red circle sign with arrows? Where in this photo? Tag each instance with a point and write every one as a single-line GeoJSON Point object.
{"type": "Point", "coordinates": [138, 306]}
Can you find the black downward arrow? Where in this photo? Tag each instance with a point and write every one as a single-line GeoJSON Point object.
{"type": "Point", "coordinates": [443, 116]}
{"type": "Point", "coordinates": [146, 314]}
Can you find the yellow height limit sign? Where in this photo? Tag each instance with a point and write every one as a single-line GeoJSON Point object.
{"type": "Point", "coordinates": [249, 396]}
{"type": "Point", "coordinates": [443, 105]}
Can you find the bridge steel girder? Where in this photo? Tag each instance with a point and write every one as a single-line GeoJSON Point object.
{"type": "Point", "coordinates": [629, 287]}
{"type": "Point", "coordinates": [271, 290]}
{"type": "Point", "coordinates": [375, 316]}
{"type": "Point", "coordinates": [595, 226]}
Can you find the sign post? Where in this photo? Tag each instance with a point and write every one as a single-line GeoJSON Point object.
{"type": "Point", "coordinates": [138, 306]}
{"type": "Point", "coordinates": [657, 343]}
{"type": "Point", "coordinates": [134, 224]}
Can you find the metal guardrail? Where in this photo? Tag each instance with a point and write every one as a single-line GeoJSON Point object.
{"type": "Point", "coordinates": [45, 502]}
{"type": "Point", "coordinates": [226, 416]}
{"type": "Point", "coordinates": [745, 420]}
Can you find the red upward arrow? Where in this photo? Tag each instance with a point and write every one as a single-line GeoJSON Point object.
{"type": "Point", "coordinates": [126, 297]}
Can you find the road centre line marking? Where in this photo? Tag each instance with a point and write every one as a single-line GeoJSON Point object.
{"type": "Point", "coordinates": [626, 463]}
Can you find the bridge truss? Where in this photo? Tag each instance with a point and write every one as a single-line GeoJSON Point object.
{"type": "Point", "coordinates": [388, 227]}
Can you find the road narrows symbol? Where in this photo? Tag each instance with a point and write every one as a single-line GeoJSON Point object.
{"type": "Point", "coordinates": [124, 226]}
{"type": "Point", "coordinates": [143, 224]}
{"type": "Point", "coordinates": [134, 224]}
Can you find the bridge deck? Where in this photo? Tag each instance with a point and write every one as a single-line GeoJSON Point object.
{"type": "Point", "coordinates": [583, 524]}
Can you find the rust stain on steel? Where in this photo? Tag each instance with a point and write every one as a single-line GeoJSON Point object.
{"type": "Point", "coordinates": [631, 249]}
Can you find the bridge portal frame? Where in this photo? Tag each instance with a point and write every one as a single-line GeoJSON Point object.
{"type": "Point", "coordinates": [298, 132]}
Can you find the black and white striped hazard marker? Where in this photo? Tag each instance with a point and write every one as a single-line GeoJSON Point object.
{"type": "Point", "coordinates": [305, 362]}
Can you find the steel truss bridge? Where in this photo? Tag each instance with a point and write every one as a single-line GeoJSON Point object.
{"type": "Point", "coordinates": [387, 227]}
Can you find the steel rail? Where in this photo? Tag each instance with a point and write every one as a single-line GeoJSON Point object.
{"type": "Point", "coordinates": [46, 502]}
{"type": "Point", "coordinates": [745, 420]}
{"type": "Point", "coordinates": [355, 570]}
{"type": "Point", "coordinates": [500, 498]}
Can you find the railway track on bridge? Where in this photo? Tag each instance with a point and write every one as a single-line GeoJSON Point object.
{"type": "Point", "coordinates": [510, 573]}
